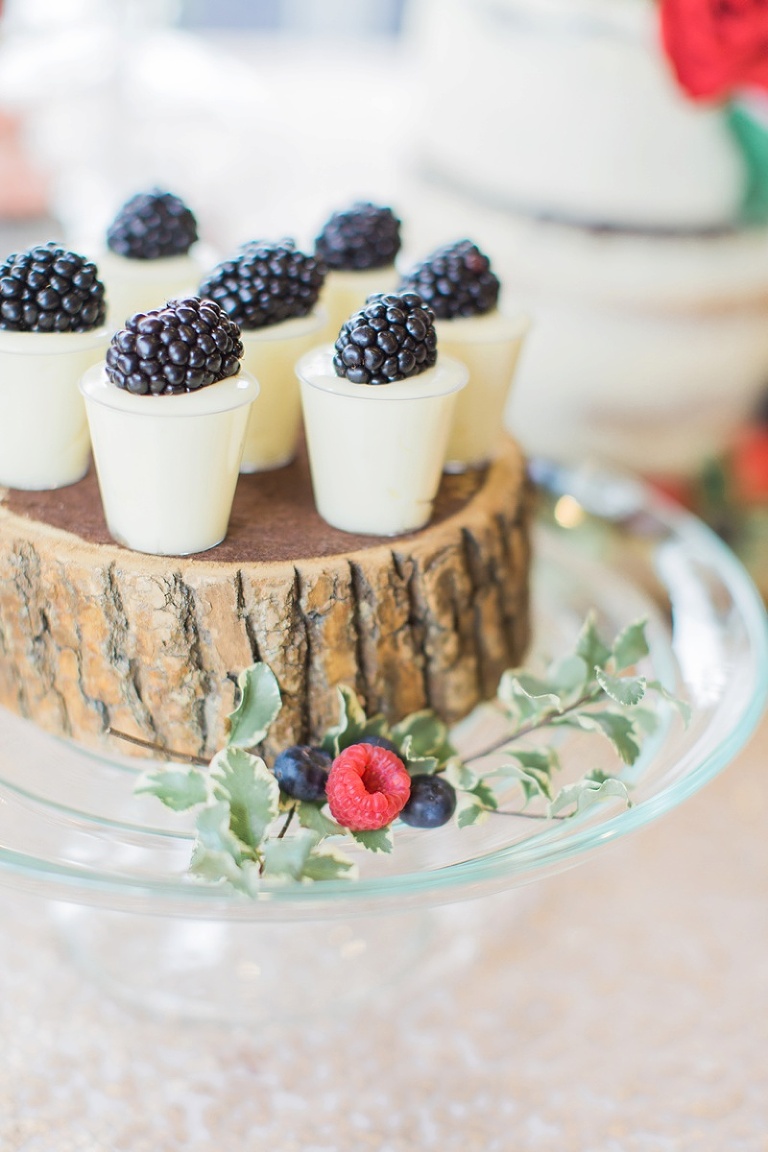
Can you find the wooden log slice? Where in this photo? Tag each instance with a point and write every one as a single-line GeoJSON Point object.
{"type": "Point", "coordinates": [94, 636]}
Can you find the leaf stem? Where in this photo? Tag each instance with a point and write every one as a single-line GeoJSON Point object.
{"type": "Point", "coordinates": [286, 826]}
{"type": "Point", "coordinates": [533, 726]}
{"type": "Point", "coordinates": [184, 757]}
{"type": "Point", "coordinates": [281, 833]}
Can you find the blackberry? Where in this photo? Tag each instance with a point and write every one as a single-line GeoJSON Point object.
{"type": "Point", "coordinates": [390, 338]}
{"type": "Point", "coordinates": [302, 772]}
{"type": "Point", "coordinates": [184, 346]}
{"type": "Point", "coordinates": [455, 280]}
{"type": "Point", "coordinates": [49, 289]}
{"type": "Point", "coordinates": [265, 283]}
{"type": "Point", "coordinates": [152, 225]}
{"type": "Point", "coordinates": [431, 804]}
{"type": "Point", "coordinates": [363, 236]}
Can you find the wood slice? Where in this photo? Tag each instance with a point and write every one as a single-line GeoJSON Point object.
{"type": "Point", "coordinates": [94, 636]}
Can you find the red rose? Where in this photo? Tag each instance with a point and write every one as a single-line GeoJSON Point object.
{"type": "Point", "coordinates": [749, 464]}
{"type": "Point", "coordinates": [716, 46]}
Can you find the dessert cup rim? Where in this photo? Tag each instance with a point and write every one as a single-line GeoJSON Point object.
{"type": "Point", "coordinates": [505, 326]}
{"type": "Point", "coordinates": [357, 274]}
{"type": "Point", "coordinates": [197, 255]}
{"type": "Point", "coordinates": [231, 393]}
{"type": "Point", "coordinates": [51, 343]}
{"type": "Point", "coordinates": [294, 326]}
{"type": "Point", "coordinates": [315, 369]}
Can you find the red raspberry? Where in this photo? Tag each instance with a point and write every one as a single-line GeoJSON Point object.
{"type": "Point", "coordinates": [367, 786]}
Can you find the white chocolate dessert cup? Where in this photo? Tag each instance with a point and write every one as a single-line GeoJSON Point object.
{"type": "Point", "coordinates": [490, 346]}
{"type": "Point", "coordinates": [168, 465]}
{"type": "Point", "coordinates": [346, 291]}
{"type": "Point", "coordinates": [270, 354]}
{"type": "Point", "coordinates": [140, 285]}
{"type": "Point", "coordinates": [44, 439]}
{"type": "Point", "coordinates": [376, 452]}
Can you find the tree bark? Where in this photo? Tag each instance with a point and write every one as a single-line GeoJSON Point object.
{"type": "Point", "coordinates": [94, 636]}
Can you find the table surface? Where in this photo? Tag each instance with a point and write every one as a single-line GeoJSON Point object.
{"type": "Point", "coordinates": [621, 1006]}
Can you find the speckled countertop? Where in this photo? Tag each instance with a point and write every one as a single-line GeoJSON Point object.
{"type": "Point", "coordinates": [619, 1007]}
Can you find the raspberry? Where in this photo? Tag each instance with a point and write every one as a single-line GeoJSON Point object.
{"type": "Point", "coordinates": [367, 787]}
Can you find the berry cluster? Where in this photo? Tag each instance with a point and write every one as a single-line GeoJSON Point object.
{"type": "Point", "coordinates": [366, 786]}
{"type": "Point", "coordinates": [182, 347]}
{"type": "Point", "coordinates": [391, 338]}
{"type": "Point", "coordinates": [455, 280]}
{"type": "Point", "coordinates": [266, 283]}
{"type": "Point", "coordinates": [364, 236]}
{"type": "Point", "coordinates": [152, 225]}
{"type": "Point", "coordinates": [49, 289]}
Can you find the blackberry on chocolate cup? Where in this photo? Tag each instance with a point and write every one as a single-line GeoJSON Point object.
{"type": "Point", "coordinates": [391, 338]}
{"type": "Point", "coordinates": [183, 347]}
{"type": "Point", "coordinates": [377, 412]}
{"type": "Point", "coordinates": [271, 289]}
{"type": "Point", "coordinates": [460, 286]}
{"type": "Point", "coordinates": [167, 410]}
{"type": "Point", "coordinates": [455, 280]}
{"type": "Point", "coordinates": [151, 254]}
{"type": "Point", "coordinates": [52, 309]}
{"type": "Point", "coordinates": [358, 246]}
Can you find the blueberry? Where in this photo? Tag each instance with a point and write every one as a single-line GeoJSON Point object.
{"type": "Point", "coordinates": [432, 802]}
{"type": "Point", "coordinates": [302, 772]}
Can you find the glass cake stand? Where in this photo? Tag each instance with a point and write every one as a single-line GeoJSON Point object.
{"type": "Point", "coordinates": [111, 866]}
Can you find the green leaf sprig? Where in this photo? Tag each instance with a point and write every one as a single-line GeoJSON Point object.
{"type": "Point", "coordinates": [247, 831]}
{"type": "Point", "coordinates": [593, 689]}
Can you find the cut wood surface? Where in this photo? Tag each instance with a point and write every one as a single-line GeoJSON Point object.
{"type": "Point", "coordinates": [94, 636]}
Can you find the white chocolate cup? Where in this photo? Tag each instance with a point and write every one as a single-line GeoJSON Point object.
{"type": "Point", "coordinates": [44, 432]}
{"type": "Point", "coordinates": [270, 354]}
{"type": "Point", "coordinates": [490, 346]}
{"type": "Point", "coordinates": [168, 465]}
{"type": "Point", "coordinates": [376, 452]}
{"type": "Point", "coordinates": [140, 285]}
{"type": "Point", "coordinates": [345, 292]}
